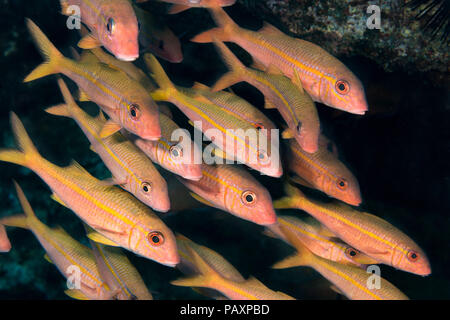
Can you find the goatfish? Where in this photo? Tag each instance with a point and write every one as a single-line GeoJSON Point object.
{"type": "Point", "coordinates": [365, 232]}
{"type": "Point", "coordinates": [215, 260]}
{"type": "Point", "coordinates": [210, 277]}
{"type": "Point", "coordinates": [183, 5]}
{"type": "Point", "coordinates": [67, 254]}
{"type": "Point", "coordinates": [119, 273]}
{"type": "Point", "coordinates": [113, 25]}
{"type": "Point", "coordinates": [318, 241]}
{"type": "Point", "coordinates": [294, 104]}
{"type": "Point", "coordinates": [233, 137]}
{"type": "Point", "coordinates": [323, 171]}
{"type": "Point", "coordinates": [233, 104]}
{"type": "Point", "coordinates": [233, 190]}
{"type": "Point", "coordinates": [118, 217]}
{"type": "Point", "coordinates": [130, 167]}
{"type": "Point", "coordinates": [126, 102]}
{"type": "Point", "coordinates": [351, 281]}
{"type": "Point", "coordinates": [174, 151]}
{"type": "Point", "coordinates": [5, 244]}
{"type": "Point", "coordinates": [156, 37]}
{"type": "Point", "coordinates": [324, 78]}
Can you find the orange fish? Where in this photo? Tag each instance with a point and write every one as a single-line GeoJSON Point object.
{"type": "Point", "coordinates": [294, 104]}
{"type": "Point", "coordinates": [113, 24]}
{"type": "Point", "coordinates": [173, 155]}
{"type": "Point", "coordinates": [182, 5]}
{"type": "Point", "coordinates": [351, 281]}
{"type": "Point", "coordinates": [68, 255]}
{"type": "Point", "coordinates": [365, 232]}
{"type": "Point", "coordinates": [319, 240]}
{"type": "Point", "coordinates": [118, 217]}
{"type": "Point", "coordinates": [233, 137]}
{"type": "Point", "coordinates": [126, 102]}
{"type": "Point", "coordinates": [130, 167]}
{"type": "Point", "coordinates": [323, 171]}
{"type": "Point", "coordinates": [211, 275]}
{"type": "Point", "coordinates": [325, 78]}
{"type": "Point", "coordinates": [156, 37]}
{"type": "Point", "coordinates": [5, 245]}
{"type": "Point", "coordinates": [234, 190]}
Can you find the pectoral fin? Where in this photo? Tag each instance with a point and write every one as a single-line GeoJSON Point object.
{"type": "Point", "coordinates": [109, 129]}
{"type": "Point", "coordinates": [296, 80]}
{"type": "Point", "coordinates": [287, 134]}
{"type": "Point", "coordinates": [46, 257]}
{"type": "Point", "coordinates": [89, 42]}
{"type": "Point", "coordinates": [76, 294]}
{"type": "Point", "coordinates": [97, 237]}
{"type": "Point", "coordinates": [58, 199]}
{"type": "Point", "coordinates": [200, 199]}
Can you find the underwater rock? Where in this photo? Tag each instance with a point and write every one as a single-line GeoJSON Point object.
{"type": "Point", "coordinates": [340, 27]}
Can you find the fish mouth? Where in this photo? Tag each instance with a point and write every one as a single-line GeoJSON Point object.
{"type": "Point", "coordinates": [193, 177]}
{"type": "Point", "coordinates": [127, 58]}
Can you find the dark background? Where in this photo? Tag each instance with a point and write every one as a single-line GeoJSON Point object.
{"type": "Point", "coordinates": [399, 152]}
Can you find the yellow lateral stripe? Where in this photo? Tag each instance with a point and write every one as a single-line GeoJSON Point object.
{"type": "Point", "coordinates": [211, 121]}
{"type": "Point", "coordinates": [295, 62]}
{"type": "Point", "coordinates": [221, 181]}
{"type": "Point", "coordinates": [312, 163]}
{"type": "Point", "coordinates": [353, 225]}
{"type": "Point", "coordinates": [349, 279]}
{"type": "Point", "coordinates": [277, 92]}
{"type": "Point", "coordinates": [312, 235]}
{"type": "Point", "coordinates": [69, 258]}
{"type": "Point", "coordinates": [111, 269]}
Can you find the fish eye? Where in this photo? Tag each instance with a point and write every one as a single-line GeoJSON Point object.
{"type": "Point", "coordinates": [110, 26]}
{"type": "Point", "coordinates": [263, 157]}
{"type": "Point", "coordinates": [412, 256]}
{"type": "Point", "coordinates": [135, 113]}
{"type": "Point", "coordinates": [248, 197]}
{"type": "Point", "coordinates": [299, 127]}
{"type": "Point", "coordinates": [176, 151]}
{"type": "Point", "coordinates": [146, 187]}
{"type": "Point", "coordinates": [342, 86]}
{"type": "Point", "coordinates": [350, 252]}
{"type": "Point", "coordinates": [155, 238]}
{"type": "Point", "coordinates": [342, 184]}
{"type": "Point", "coordinates": [259, 126]}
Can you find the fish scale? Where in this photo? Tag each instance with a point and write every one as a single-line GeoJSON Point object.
{"type": "Point", "coordinates": [111, 211]}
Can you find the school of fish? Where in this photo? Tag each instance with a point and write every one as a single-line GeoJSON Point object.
{"type": "Point", "coordinates": [141, 144]}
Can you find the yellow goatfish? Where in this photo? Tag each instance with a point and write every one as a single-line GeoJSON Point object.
{"type": "Point", "coordinates": [231, 135]}
{"type": "Point", "coordinates": [174, 152]}
{"type": "Point", "coordinates": [294, 104]}
{"type": "Point", "coordinates": [5, 244]}
{"type": "Point", "coordinates": [325, 78]}
{"type": "Point", "coordinates": [323, 171]}
{"type": "Point", "coordinates": [119, 274]}
{"type": "Point", "coordinates": [69, 256]}
{"type": "Point", "coordinates": [365, 232]}
{"type": "Point", "coordinates": [120, 218]}
{"type": "Point", "coordinates": [210, 277]}
{"type": "Point", "coordinates": [327, 246]}
{"type": "Point", "coordinates": [235, 105]}
{"type": "Point", "coordinates": [126, 102]}
{"type": "Point", "coordinates": [182, 5]}
{"type": "Point", "coordinates": [130, 167]}
{"type": "Point", "coordinates": [233, 190]}
{"type": "Point", "coordinates": [113, 24]}
{"type": "Point", "coordinates": [353, 282]}
{"type": "Point", "coordinates": [215, 260]}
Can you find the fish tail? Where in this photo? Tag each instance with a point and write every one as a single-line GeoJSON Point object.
{"type": "Point", "coordinates": [27, 151]}
{"type": "Point", "coordinates": [227, 28]}
{"type": "Point", "coordinates": [237, 68]}
{"type": "Point", "coordinates": [19, 221]}
{"type": "Point", "coordinates": [53, 58]}
{"type": "Point", "coordinates": [160, 76]}
{"type": "Point", "coordinates": [67, 109]}
{"type": "Point", "coordinates": [204, 279]}
{"type": "Point", "coordinates": [29, 213]}
{"type": "Point", "coordinates": [303, 256]}
{"type": "Point", "coordinates": [292, 200]}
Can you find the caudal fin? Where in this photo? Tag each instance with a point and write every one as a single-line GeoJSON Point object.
{"type": "Point", "coordinates": [52, 56]}
{"type": "Point", "coordinates": [20, 220]}
{"type": "Point", "coordinates": [69, 108]}
{"type": "Point", "coordinates": [227, 28]}
{"type": "Point", "coordinates": [292, 200]}
{"type": "Point", "coordinates": [159, 75]}
{"type": "Point", "coordinates": [206, 275]}
{"type": "Point", "coordinates": [237, 68]}
{"type": "Point", "coordinates": [27, 151]}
